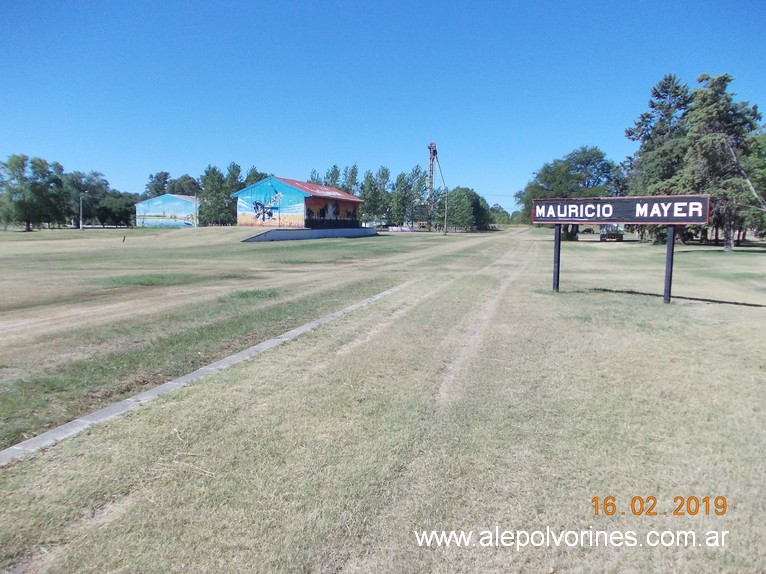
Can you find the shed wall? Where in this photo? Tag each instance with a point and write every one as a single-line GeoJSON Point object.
{"type": "Point", "coordinates": [272, 204]}
{"type": "Point", "coordinates": [166, 211]}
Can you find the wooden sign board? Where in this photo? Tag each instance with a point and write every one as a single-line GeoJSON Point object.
{"type": "Point", "coordinates": [670, 210]}
{"type": "Point", "coordinates": [648, 210]}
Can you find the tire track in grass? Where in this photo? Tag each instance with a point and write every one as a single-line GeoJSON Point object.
{"type": "Point", "coordinates": [511, 264]}
{"type": "Point", "coordinates": [520, 258]}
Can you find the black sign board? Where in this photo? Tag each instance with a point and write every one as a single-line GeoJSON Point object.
{"type": "Point", "coordinates": [648, 210]}
{"type": "Point", "coordinates": [670, 210]}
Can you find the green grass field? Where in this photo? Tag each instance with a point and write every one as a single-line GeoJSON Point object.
{"type": "Point", "coordinates": [474, 399]}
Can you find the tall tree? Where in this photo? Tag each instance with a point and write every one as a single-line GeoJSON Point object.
{"type": "Point", "coordinates": [754, 166]}
{"type": "Point", "coordinates": [407, 197]}
{"type": "Point", "coordinates": [84, 191]}
{"type": "Point", "coordinates": [116, 208]}
{"type": "Point", "coordinates": [332, 176]}
{"type": "Point", "coordinates": [157, 185]}
{"type": "Point", "coordinates": [662, 132]}
{"type": "Point", "coordinates": [6, 206]}
{"type": "Point", "coordinates": [401, 198]}
{"type": "Point", "coordinates": [349, 181]}
{"type": "Point", "coordinates": [668, 106]}
{"type": "Point", "coordinates": [419, 181]}
{"type": "Point", "coordinates": [466, 210]}
{"type": "Point", "coordinates": [368, 210]}
{"type": "Point", "coordinates": [719, 130]}
{"type": "Point", "coordinates": [383, 191]}
{"type": "Point", "coordinates": [215, 202]}
{"type": "Point", "coordinates": [698, 141]}
{"type": "Point", "coordinates": [254, 176]}
{"type": "Point", "coordinates": [184, 185]}
{"type": "Point", "coordinates": [34, 190]}
{"type": "Point", "coordinates": [234, 181]}
{"type": "Point", "coordinates": [374, 192]}
{"type": "Point", "coordinates": [499, 215]}
{"type": "Point", "coordinates": [584, 172]}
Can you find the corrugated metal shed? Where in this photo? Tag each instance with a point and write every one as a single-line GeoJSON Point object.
{"type": "Point", "coordinates": [320, 190]}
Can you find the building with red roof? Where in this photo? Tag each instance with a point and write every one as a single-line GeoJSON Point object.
{"type": "Point", "coordinates": [280, 202]}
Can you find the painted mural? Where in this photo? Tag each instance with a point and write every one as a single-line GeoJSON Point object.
{"type": "Point", "coordinates": [277, 202]}
{"type": "Point", "coordinates": [167, 211]}
{"type": "Point", "coordinates": [270, 203]}
{"type": "Point", "coordinates": [329, 212]}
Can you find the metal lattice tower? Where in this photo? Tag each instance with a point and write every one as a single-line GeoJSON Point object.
{"type": "Point", "coordinates": [431, 158]}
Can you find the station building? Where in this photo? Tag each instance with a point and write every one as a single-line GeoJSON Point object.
{"type": "Point", "coordinates": [280, 202]}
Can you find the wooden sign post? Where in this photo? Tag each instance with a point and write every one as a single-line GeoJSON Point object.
{"type": "Point", "coordinates": [670, 210]}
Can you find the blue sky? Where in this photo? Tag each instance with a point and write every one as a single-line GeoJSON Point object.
{"type": "Point", "coordinates": [132, 88]}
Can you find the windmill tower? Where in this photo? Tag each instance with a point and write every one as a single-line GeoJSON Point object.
{"type": "Point", "coordinates": [431, 158]}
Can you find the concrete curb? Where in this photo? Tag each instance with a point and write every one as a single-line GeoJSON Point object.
{"type": "Point", "coordinates": [72, 428]}
{"type": "Point", "coordinates": [292, 234]}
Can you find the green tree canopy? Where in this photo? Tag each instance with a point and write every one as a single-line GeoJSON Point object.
{"type": "Point", "coordinates": [584, 172]}
{"type": "Point", "coordinates": [157, 185]}
{"type": "Point", "coordinates": [374, 192]}
{"type": "Point", "coordinates": [499, 215]}
{"type": "Point", "coordinates": [116, 208]}
{"type": "Point", "coordinates": [332, 177]}
{"type": "Point", "coordinates": [86, 190]}
{"type": "Point", "coordinates": [754, 166]}
{"type": "Point", "coordinates": [184, 185]}
{"type": "Point", "coordinates": [215, 200]}
{"type": "Point", "coordinates": [408, 197]}
{"type": "Point", "coordinates": [719, 133]}
{"type": "Point", "coordinates": [254, 176]}
{"type": "Point", "coordinates": [465, 208]}
{"type": "Point", "coordinates": [698, 142]}
{"type": "Point", "coordinates": [349, 181]}
{"type": "Point", "coordinates": [34, 191]}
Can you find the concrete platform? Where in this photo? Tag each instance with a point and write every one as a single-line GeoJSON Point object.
{"type": "Point", "coordinates": [291, 234]}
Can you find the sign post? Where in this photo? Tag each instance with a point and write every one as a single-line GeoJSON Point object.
{"type": "Point", "coordinates": [670, 210]}
{"type": "Point", "coordinates": [669, 262]}
{"type": "Point", "coordinates": [556, 256]}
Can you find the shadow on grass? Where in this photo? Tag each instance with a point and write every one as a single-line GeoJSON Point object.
{"type": "Point", "coordinates": [735, 251]}
{"type": "Point", "coordinates": [701, 299]}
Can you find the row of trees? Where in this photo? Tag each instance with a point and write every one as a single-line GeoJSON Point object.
{"type": "Point", "coordinates": [404, 199]}
{"type": "Point", "coordinates": [585, 172]}
{"type": "Point", "coordinates": [691, 142]}
{"type": "Point", "coordinates": [34, 192]}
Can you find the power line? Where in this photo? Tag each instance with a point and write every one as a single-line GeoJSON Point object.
{"type": "Point", "coordinates": [446, 192]}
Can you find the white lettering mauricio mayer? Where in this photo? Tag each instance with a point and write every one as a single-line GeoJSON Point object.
{"type": "Point", "coordinates": [681, 209]}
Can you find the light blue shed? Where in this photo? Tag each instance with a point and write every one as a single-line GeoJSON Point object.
{"type": "Point", "coordinates": [169, 210]}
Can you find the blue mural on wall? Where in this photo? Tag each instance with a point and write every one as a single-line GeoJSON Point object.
{"type": "Point", "coordinates": [167, 211]}
{"type": "Point", "coordinates": [281, 202]}
{"type": "Point", "coordinates": [270, 203]}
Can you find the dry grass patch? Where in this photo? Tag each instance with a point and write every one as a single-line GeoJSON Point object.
{"type": "Point", "coordinates": [328, 453]}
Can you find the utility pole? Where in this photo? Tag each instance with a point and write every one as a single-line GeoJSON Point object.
{"type": "Point", "coordinates": [81, 210]}
{"type": "Point", "coordinates": [431, 158]}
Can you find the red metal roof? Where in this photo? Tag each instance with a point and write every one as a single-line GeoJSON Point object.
{"type": "Point", "coordinates": [320, 190]}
